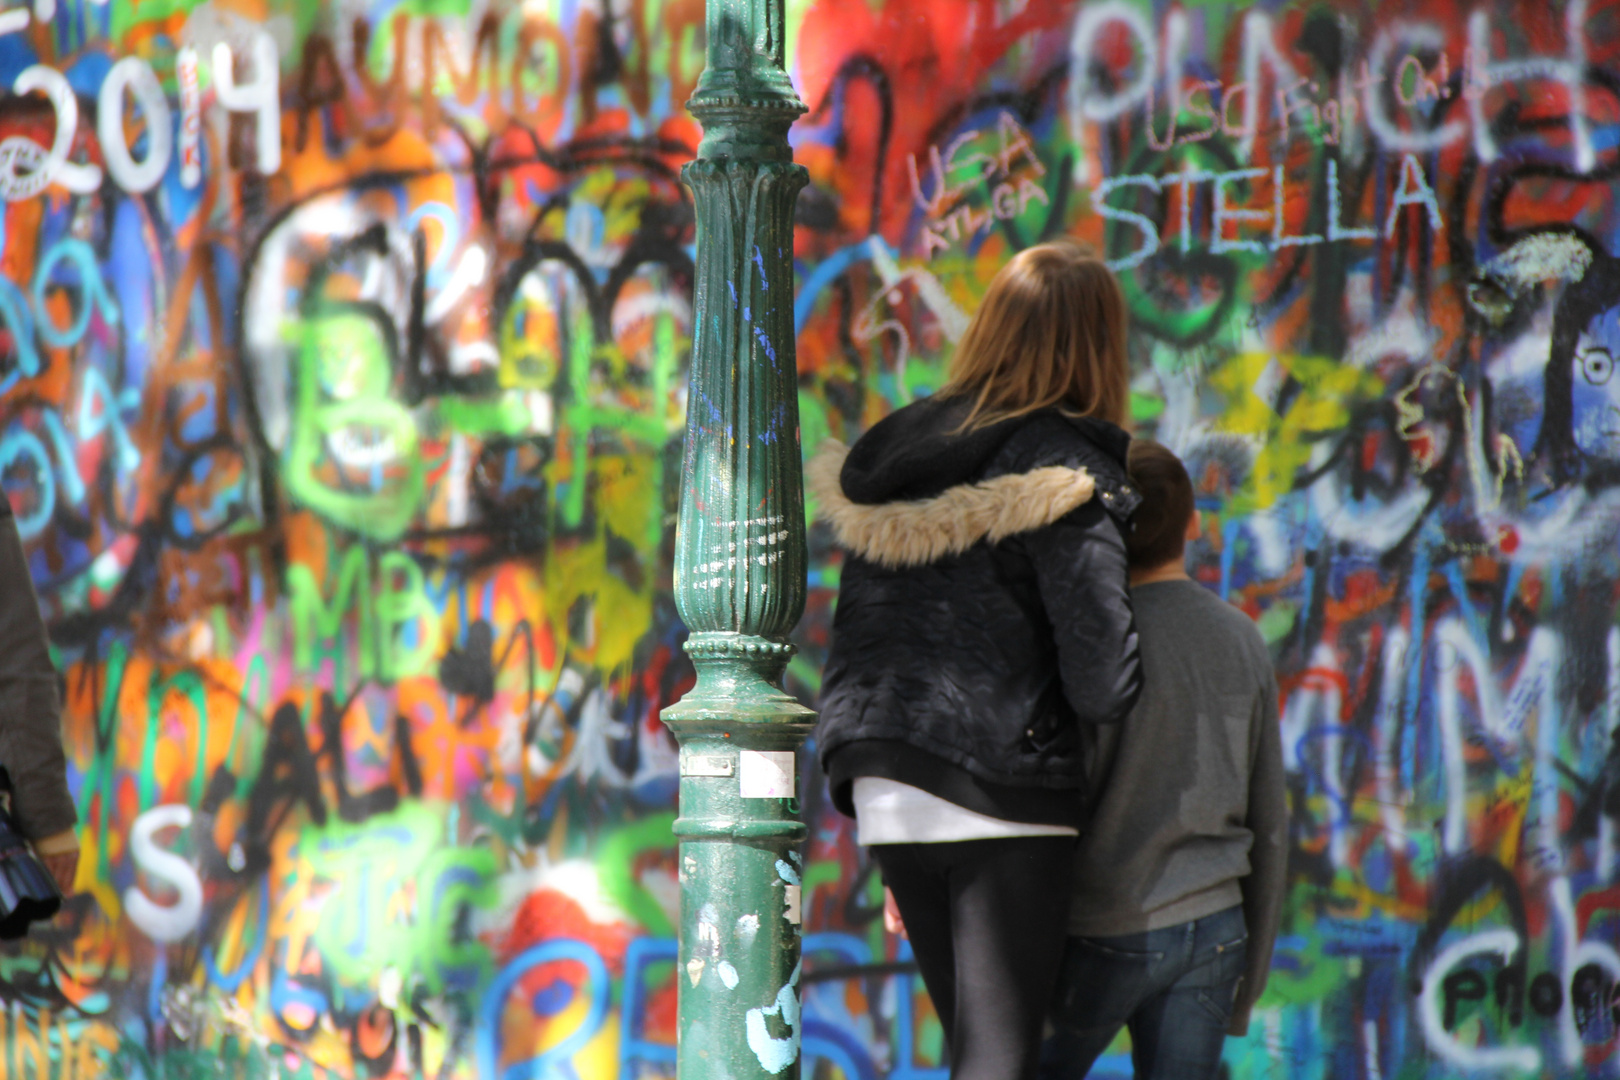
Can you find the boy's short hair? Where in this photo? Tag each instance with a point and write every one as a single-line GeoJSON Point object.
{"type": "Point", "coordinates": [1159, 533]}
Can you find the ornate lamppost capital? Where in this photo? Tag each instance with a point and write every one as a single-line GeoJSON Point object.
{"type": "Point", "coordinates": [744, 98]}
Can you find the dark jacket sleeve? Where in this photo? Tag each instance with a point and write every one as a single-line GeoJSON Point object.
{"type": "Point", "coordinates": [1266, 886]}
{"type": "Point", "coordinates": [30, 709]}
{"type": "Point", "coordinates": [1080, 566]}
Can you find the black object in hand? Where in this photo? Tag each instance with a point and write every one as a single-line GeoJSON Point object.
{"type": "Point", "coordinates": [27, 892]}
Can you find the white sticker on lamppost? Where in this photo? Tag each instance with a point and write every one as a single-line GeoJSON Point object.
{"type": "Point", "coordinates": [706, 765]}
{"type": "Point", "coordinates": [766, 774]}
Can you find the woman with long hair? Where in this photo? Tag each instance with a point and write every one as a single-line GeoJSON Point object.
{"type": "Point", "coordinates": [983, 627]}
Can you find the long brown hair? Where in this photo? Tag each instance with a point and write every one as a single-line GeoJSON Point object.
{"type": "Point", "coordinates": [1051, 331]}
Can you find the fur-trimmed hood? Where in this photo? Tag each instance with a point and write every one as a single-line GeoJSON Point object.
{"type": "Point", "coordinates": [913, 532]}
{"type": "Point", "coordinates": [916, 488]}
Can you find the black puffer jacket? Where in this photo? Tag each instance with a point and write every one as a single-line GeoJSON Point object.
{"type": "Point", "coordinates": [983, 620]}
{"type": "Point", "coordinates": [30, 706]}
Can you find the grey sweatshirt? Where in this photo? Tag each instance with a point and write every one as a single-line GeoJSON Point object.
{"type": "Point", "coordinates": [1191, 812]}
{"type": "Point", "coordinates": [30, 708]}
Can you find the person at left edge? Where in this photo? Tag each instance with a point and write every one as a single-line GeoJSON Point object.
{"type": "Point", "coordinates": [983, 629]}
{"type": "Point", "coordinates": [30, 717]}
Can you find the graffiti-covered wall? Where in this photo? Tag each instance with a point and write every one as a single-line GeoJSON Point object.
{"type": "Point", "coordinates": [342, 375]}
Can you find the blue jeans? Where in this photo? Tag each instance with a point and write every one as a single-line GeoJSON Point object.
{"type": "Point", "coordinates": [1173, 988]}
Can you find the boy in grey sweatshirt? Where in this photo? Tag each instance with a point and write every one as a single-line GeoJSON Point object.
{"type": "Point", "coordinates": [1179, 878]}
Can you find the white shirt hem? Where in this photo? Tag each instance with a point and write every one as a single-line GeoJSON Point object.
{"type": "Point", "coordinates": [889, 812]}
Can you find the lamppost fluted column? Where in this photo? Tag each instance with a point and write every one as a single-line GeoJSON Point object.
{"type": "Point", "coordinates": [740, 568]}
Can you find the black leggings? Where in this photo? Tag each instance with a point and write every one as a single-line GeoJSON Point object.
{"type": "Point", "coordinates": [986, 919]}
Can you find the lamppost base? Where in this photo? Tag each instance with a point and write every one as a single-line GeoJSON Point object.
{"type": "Point", "coordinates": [740, 870]}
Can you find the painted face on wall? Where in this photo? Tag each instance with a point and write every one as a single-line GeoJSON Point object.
{"type": "Point", "coordinates": [353, 456]}
{"type": "Point", "coordinates": [1595, 389]}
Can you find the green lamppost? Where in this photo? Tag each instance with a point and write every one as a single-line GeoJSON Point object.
{"type": "Point", "coordinates": [739, 568]}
